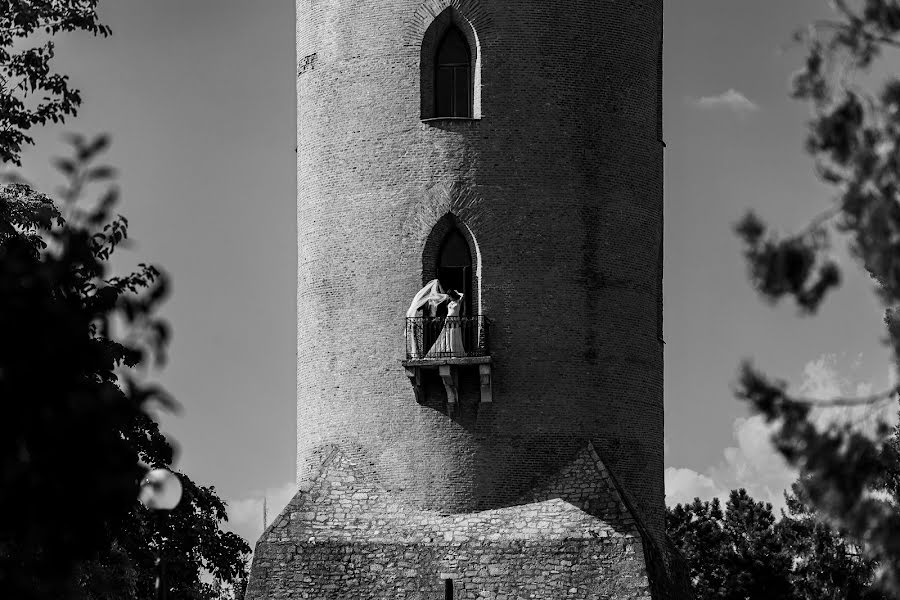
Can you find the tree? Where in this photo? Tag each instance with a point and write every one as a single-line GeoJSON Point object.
{"type": "Point", "coordinates": [733, 553]}
{"type": "Point", "coordinates": [854, 137]}
{"type": "Point", "coordinates": [75, 425]}
{"type": "Point", "coordinates": [63, 412]}
{"type": "Point", "coordinates": [30, 92]}
{"type": "Point", "coordinates": [744, 553]}
{"type": "Point", "coordinates": [824, 564]}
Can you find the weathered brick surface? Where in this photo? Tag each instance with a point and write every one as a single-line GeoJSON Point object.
{"type": "Point", "coordinates": [558, 186]}
{"type": "Point", "coordinates": [343, 536]}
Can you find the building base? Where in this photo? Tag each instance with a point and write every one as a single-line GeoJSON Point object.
{"type": "Point", "coordinates": [575, 537]}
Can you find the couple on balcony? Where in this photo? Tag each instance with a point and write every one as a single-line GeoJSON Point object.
{"type": "Point", "coordinates": [449, 341]}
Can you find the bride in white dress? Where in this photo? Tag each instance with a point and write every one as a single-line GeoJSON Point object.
{"type": "Point", "coordinates": [449, 342]}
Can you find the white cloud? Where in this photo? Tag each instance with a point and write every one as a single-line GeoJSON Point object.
{"type": "Point", "coordinates": [821, 378]}
{"type": "Point", "coordinates": [245, 515]}
{"type": "Point", "coordinates": [753, 463]}
{"type": "Point", "coordinates": [822, 381]}
{"type": "Point", "coordinates": [683, 485]}
{"type": "Point", "coordinates": [730, 100]}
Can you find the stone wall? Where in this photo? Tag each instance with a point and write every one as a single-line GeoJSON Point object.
{"type": "Point", "coordinates": [343, 536]}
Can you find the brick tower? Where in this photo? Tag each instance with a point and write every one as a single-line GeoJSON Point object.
{"type": "Point", "coordinates": [513, 152]}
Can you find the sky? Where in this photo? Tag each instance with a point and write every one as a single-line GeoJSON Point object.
{"type": "Point", "coordinates": [199, 99]}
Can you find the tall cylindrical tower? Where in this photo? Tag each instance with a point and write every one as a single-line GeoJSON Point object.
{"type": "Point", "coordinates": [512, 150]}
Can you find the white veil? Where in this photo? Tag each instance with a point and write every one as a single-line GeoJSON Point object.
{"type": "Point", "coordinates": [431, 295]}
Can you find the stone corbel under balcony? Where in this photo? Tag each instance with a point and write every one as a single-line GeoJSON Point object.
{"type": "Point", "coordinates": [448, 370]}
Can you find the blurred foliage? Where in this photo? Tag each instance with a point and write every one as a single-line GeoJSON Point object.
{"type": "Point", "coordinates": [854, 138]}
{"type": "Point", "coordinates": [743, 552]}
{"type": "Point", "coordinates": [76, 429]}
{"type": "Point", "coordinates": [30, 92]}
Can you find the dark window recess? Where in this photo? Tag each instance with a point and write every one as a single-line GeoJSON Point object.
{"type": "Point", "coordinates": [455, 267]}
{"type": "Point", "coordinates": [448, 589]}
{"type": "Point", "coordinates": [453, 76]}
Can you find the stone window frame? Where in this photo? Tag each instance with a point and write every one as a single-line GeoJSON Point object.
{"type": "Point", "coordinates": [432, 38]}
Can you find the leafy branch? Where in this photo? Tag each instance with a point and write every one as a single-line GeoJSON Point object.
{"type": "Point", "coordinates": [854, 139]}
{"type": "Point", "coordinates": [72, 396]}
{"type": "Point", "coordinates": [31, 93]}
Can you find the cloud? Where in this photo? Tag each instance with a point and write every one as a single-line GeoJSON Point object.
{"type": "Point", "coordinates": [683, 485]}
{"type": "Point", "coordinates": [752, 463]}
{"type": "Point", "coordinates": [822, 380]}
{"type": "Point", "coordinates": [731, 100]}
{"type": "Point", "coordinates": [245, 515]}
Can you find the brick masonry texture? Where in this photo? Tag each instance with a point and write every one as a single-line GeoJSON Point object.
{"type": "Point", "coordinates": [344, 536]}
{"type": "Point", "coordinates": [558, 186]}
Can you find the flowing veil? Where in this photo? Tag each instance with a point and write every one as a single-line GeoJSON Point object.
{"type": "Point", "coordinates": [431, 295]}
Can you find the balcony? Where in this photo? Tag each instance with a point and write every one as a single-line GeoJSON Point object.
{"type": "Point", "coordinates": [433, 338]}
{"type": "Point", "coordinates": [447, 344]}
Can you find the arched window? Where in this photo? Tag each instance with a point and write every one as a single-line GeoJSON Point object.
{"type": "Point", "coordinates": [453, 76]}
{"type": "Point", "coordinates": [450, 68]}
{"type": "Point", "coordinates": [454, 267]}
{"type": "Point", "coordinates": [451, 255]}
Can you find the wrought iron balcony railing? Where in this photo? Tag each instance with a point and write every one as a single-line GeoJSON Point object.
{"type": "Point", "coordinates": [446, 337]}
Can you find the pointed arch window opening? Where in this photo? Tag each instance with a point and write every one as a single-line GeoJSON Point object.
{"type": "Point", "coordinates": [453, 76]}
{"type": "Point", "coordinates": [450, 271]}
{"type": "Point", "coordinates": [454, 270]}
{"type": "Point", "coordinates": [454, 267]}
{"type": "Point", "coordinates": [450, 69]}
{"type": "Point", "coordinates": [444, 339]}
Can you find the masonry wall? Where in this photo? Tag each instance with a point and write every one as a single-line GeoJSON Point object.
{"type": "Point", "coordinates": [560, 183]}
{"type": "Point", "coordinates": [343, 536]}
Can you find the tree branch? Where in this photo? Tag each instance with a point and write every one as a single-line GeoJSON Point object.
{"type": "Point", "coordinates": [842, 8]}
{"type": "Point", "coordinates": [819, 220]}
{"type": "Point", "coordinates": [860, 28]}
{"type": "Point", "coordinates": [888, 394]}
